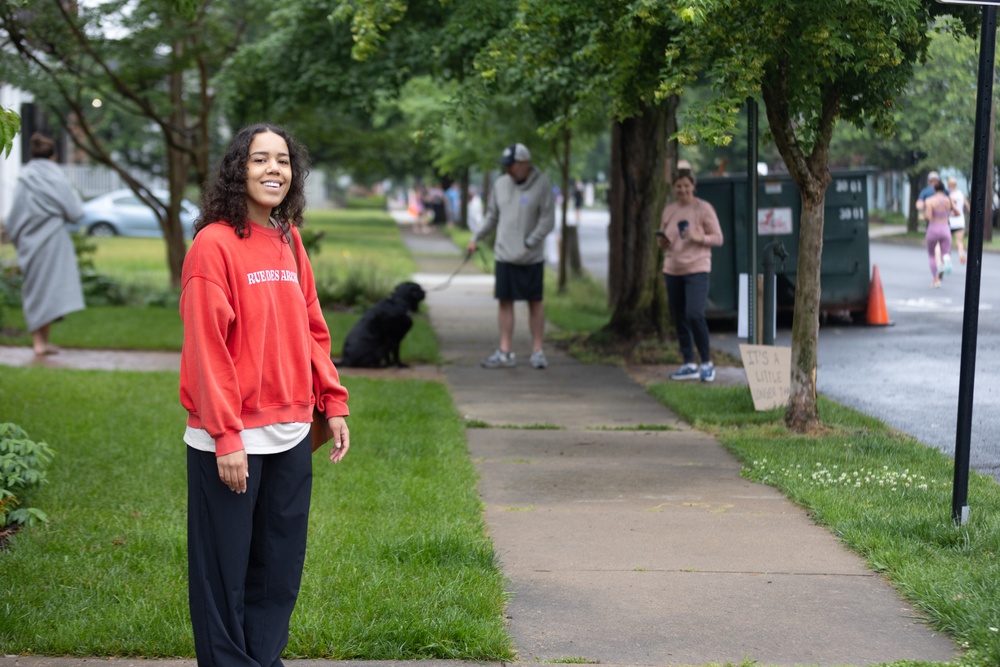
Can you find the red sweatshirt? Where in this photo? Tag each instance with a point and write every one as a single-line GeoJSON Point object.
{"type": "Point", "coordinates": [253, 353]}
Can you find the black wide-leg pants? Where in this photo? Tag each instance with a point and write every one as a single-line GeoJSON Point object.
{"type": "Point", "coordinates": [245, 556]}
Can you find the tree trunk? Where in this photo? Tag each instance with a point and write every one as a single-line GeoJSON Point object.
{"type": "Point", "coordinates": [178, 162]}
{"type": "Point", "coordinates": [912, 221]}
{"type": "Point", "coordinates": [463, 183]}
{"type": "Point", "coordinates": [569, 242]}
{"type": "Point", "coordinates": [801, 414]}
{"type": "Point", "coordinates": [638, 191]}
{"type": "Point", "coordinates": [811, 175]}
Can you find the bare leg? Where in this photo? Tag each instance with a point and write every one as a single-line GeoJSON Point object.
{"type": "Point", "coordinates": [505, 321]}
{"type": "Point", "coordinates": [536, 323]}
{"type": "Point", "coordinates": [960, 244]}
{"type": "Point", "coordinates": [40, 341]}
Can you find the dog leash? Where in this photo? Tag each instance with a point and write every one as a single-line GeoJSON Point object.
{"type": "Point", "coordinates": [465, 260]}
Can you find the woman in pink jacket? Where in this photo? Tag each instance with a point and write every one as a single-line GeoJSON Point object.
{"type": "Point", "coordinates": [689, 229]}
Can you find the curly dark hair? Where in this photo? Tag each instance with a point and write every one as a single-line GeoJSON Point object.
{"type": "Point", "coordinates": [225, 198]}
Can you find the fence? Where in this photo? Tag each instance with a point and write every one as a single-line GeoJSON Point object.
{"type": "Point", "coordinates": [93, 180]}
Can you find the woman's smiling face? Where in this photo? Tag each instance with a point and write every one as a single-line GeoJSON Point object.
{"type": "Point", "coordinates": [269, 175]}
{"type": "Point", "coordinates": [684, 190]}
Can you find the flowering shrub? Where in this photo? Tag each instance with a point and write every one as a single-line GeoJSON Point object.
{"type": "Point", "coordinates": [22, 468]}
{"type": "Point", "coordinates": [832, 476]}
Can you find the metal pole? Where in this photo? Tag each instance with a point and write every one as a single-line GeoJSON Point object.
{"type": "Point", "coordinates": [752, 220]}
{"type": "Point", "coordinates": [982, 187]}
{"type": "Point", "coordinates": [770, 250]}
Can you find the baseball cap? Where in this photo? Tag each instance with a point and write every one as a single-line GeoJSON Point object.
{"type": "Point", "coordinates": [933, 176]}
{"type": "Point", "coordinates": [515, 153]}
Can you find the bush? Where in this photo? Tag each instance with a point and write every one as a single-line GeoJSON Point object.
{"type": "Point", "coordinates": [10, 287]}
{"type": "Point", "coordinates": [363, 286]}
{"type": "Point", "coordinates": [376, 202]}
{"type": "Point", "coordinates": [886, 217]}
{"type": "Point", "coordinates": [22, 468]}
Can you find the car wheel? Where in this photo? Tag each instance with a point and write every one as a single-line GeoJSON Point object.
{"type": "Point", "coordinates": [102, 229]}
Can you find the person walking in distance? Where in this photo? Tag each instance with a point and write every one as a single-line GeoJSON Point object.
{"type": "Point", "coordinates": [44, 201]}
{"type": "Point", "coordinates": [957, 219]}
{"type": "Point", "coordinates": [937, 209]}
{"type": "Point", "coordinates": [689, 229]}
{"type": "Point", "coordinates": [521, 209]}
{"type": "Point", "coordinates": [254, 363]}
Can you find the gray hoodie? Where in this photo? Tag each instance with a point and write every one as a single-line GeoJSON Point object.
{"type": "Point", "coordinates": [523, 215]}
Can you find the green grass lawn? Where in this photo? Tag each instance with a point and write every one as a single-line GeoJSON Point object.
{"type": "Point", "coordinates": [153, 328]}
{"type": "Point", "coordinates": [398, 564]}
{"type": "Point", "coordinates": [359, 250]}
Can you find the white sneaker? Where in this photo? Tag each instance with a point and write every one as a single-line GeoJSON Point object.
{"type": "Point", "coordinates": [708, 372]}
{"type": "Point", "coordinates": [538, 360]}
{"type": "Point", "coordinates": [686, 372]}
{"type": "Point", "coordinates": [499, 359]}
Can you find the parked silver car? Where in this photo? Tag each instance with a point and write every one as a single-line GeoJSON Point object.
{"type": "Point", "coordinates": [122, 213]}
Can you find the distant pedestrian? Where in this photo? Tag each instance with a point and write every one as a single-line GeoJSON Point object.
{"type": "Point", "coordinates": [937, 209]}
{"type": "Point", "coordinates": [521, 209]}
{"type": "Point", "coordinates": [417, 211]}
{"type": "Point", "coordinates": [933, 178]}
{"type": "Point", "coordinates": [454, 195]}
{"type": "Point", "coordinates": [689, 229]}
{"type": "Point", "coordinates": [44, 201]}
{"type": "Point", "coordinates": [577, 201]}
{"type": "Point", "coordinates": [957, 221]}
{"type": "Point", "coordinates": [255, 363]}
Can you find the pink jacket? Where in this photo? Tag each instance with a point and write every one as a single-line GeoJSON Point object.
{"type": "Point", "coordinates": [685, 257]}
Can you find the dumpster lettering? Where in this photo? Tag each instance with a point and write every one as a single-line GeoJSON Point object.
{"type": "Point", "coordinates": [848, 185]}
{"type": "Point", "coordinates": [852, 213]}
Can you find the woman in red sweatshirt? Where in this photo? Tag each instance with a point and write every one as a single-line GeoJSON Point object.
{"type": "Point", "coordinates": [256, 358]}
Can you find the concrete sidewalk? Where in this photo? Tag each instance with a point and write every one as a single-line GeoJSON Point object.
{"type": "Point", "coordinates": [643, 547]}
{"type": "Point", "coordinates": [626, 545]}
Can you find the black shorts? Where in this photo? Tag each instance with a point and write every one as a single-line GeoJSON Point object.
{"type": "Point", "coordinates": [519, 282]}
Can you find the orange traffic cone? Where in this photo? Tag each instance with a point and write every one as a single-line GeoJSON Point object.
{"type": "Point", "coordinates": [877, 313]}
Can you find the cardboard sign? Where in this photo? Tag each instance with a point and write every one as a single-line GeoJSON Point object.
{"type": "Point", "coordinates": [769, 374]}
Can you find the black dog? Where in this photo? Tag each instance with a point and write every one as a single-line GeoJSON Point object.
{"type": "Point", "coordinates": [374, 341]}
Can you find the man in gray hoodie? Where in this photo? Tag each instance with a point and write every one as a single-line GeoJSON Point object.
{"type": "Point", "coordinates": [521, 210]}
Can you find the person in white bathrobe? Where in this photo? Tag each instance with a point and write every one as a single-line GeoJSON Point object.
{"type": "Point", "coordinates": [44, 201]}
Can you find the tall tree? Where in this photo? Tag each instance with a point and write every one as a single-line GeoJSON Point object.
{"type": "Point", "coordinates": [933, 119]}
{"type": "Point", "coordinates": [614, 42]}
{"type": "Point", "coordinates": [347, 66]}
{"type": "Point", "coordinates": [535, 59]}
{"type": "Point", "coordinates": [812, 64]}
{"type": "Point", "coordinates": [149, 59]}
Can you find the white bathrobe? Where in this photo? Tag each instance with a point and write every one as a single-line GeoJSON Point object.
{"type": "Point", "coordinates": [44, 202]}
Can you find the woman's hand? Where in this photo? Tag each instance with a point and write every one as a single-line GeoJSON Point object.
{"type": "Point", "coordinates": [341, 438]}
{"type": "Point", "coordinates": [233, 470]}
{"type": "Point", "coordinates": [694, 235]}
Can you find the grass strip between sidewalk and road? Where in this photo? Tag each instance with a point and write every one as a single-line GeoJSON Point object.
{"type": "Point", "coordinates": [399, 565]}
{"type": "Point", "coordinates": [883, 493]}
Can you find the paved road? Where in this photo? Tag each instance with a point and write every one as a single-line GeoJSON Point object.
{"type": "Point", "coordinates": [908, 374]}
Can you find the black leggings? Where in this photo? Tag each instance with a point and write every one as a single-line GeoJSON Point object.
{"type": "Point", "coordinates": [687, 296]}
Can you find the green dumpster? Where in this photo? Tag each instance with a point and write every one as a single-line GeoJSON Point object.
{"type": "Point", "coordinates": [844, 273]}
